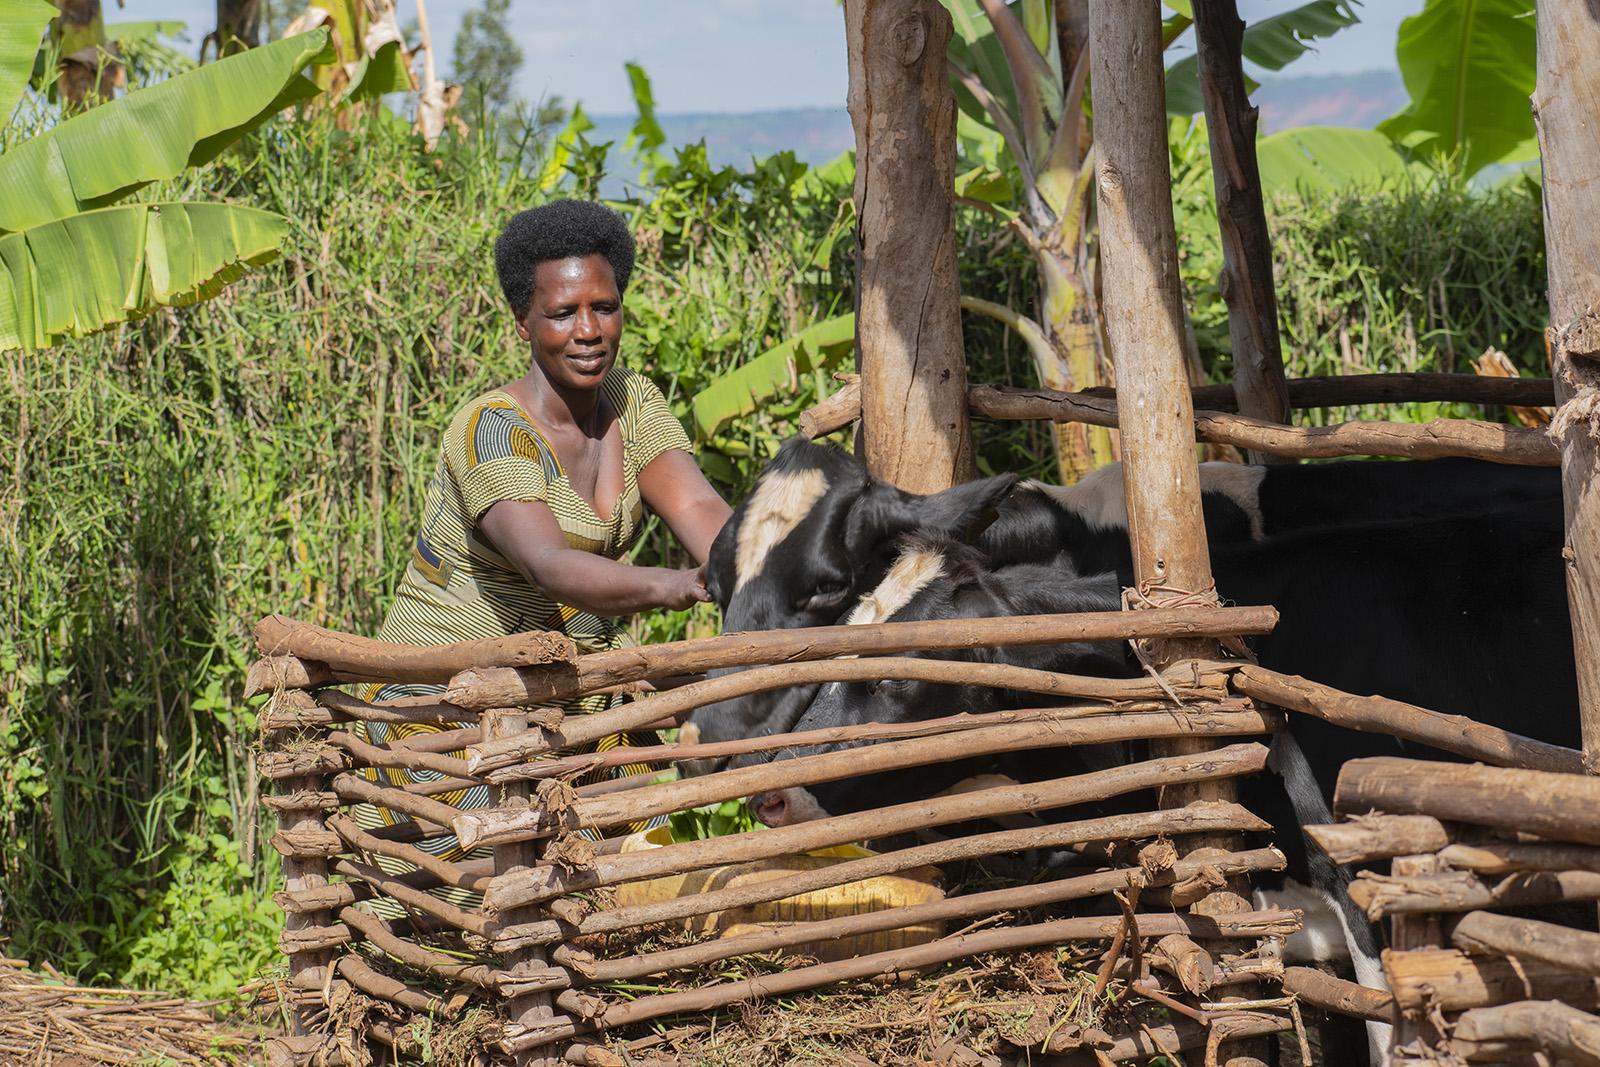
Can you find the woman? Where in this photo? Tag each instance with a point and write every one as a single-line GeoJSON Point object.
{"type": "Point", "coordinates": [541, 484]}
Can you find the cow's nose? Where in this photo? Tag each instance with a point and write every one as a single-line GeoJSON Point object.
{"type": "Point", "coordinates": [771, 808]}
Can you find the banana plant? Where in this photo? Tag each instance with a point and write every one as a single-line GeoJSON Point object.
{"type": "Point", "coordinates": [72, 259]}
{"type": "Point", "coordinates": [1021, 80]}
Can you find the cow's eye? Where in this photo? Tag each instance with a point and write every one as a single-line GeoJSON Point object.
{"type": "Point", "coordinates": [827, 596]}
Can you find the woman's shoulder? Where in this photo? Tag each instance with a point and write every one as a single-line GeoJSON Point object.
{"type": "Point", "coordinates": [493, 426]}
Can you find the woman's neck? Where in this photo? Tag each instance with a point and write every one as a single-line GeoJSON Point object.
{"type": "Point", "coordinates": [560, 408]}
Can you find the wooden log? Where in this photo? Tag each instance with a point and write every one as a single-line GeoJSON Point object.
{"type": "Point", "coordinates": [301, 800]}
{"type": "Point", "coordinates": [363, 658]}
{"type": "Point", "coordinates": [424, 709]}
{"type": "Point", "coordinates": [1565, 100]}
{"type": "Point", "coordinates": [1490, 441]}
{"type": "Point", "coordinates": [389, 885]}
{"type": "Point", "coordinates": [286, 672]}
{"type": "Point", "coordinates": [313, 939]}
{"type": "Point", "coordinates": [1563, 807]}
{"type": "Point", "coordinates": [1483, 933]}
{"type": "Point", "coordinates": [1246, 281]}
{"type": "Point", "coordinates": [307, 844]}
{"type": "Point", "coordinates": [321, 898]}
{"type": "Point", "coordinates": [1336, 995]}
{"type": "Point", "coordinates": [1344, 390]}
{"type": "Point", "coordinates": [1367, 838]}
{"type": "Point", "coordinates": [1563, 1033]}
{"type": "Point", "coordinates": [957, 946]}
{"type": "Point", "coordinates": [307, 1050]}
{"type": "Point", "coordinates": [908, 324]}
{"type": "Point", "coordinates": [446, 872]}
{"type": "Point", "coordinates": [939, 852]}
{"type": "Point", "coordinates": [1434, 892]}
{"type": "Point", "coordinates": [506, 687]}
{"type": "Point", "coordinates": [355, 971]}
{"type": "Point", "coordinates": [493, 825]}
{"type": "Point", "coordinates": [307, 875]}
{"type": "Point", "coordinates": [1505, 857]}
{"type": "Point", "coordinates": [992, 902]}
{"type": "Point", "coordinates": [351, 787]}
{"type": "Point", "coordinates": [1186, 961]}
{"type": "Point", "coordinates": [544, 882]}
{"type": "Point", "coordinates": [1456, 734]}
{"type": "Point", "coordinates": [581, 730]}
{"type": "Point", "coordinates": [439, 743]}
{"type": "Point", "coordinates": [300, 763]}
{"type": "Point", "coordinates": [401, 758]}
{"type": "Point", "coordinates": [1450, 980]}
{"type": "Point", "coordinates": [378, 933]}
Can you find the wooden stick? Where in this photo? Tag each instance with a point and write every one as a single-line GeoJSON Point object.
{"type": "Point", "coordinates": [460, 918]}
{"type": "Point", "coordinates": [446, 872]}
{"type": "Point", "coordinates": [1186, 961]}
{"type": "Point", "coordinates": [1450, 980]}
{"type": "Point", "coordinates": [1494, 857]}
{"type": "Point", "coordinates": [1009, 939]}
{"type": "Point", "coordinates": [313, 939]}
{"type": "Point", "coordinates": [301, 763]}
{"type": "Point", "coordinates": [507, 687]}
{"type": "Point", "coordinates": [1344, 390]}
{"type": "Point", "coordinates": [948, 851]}
{"type": "Point", "coordinates": [1564, 807]}
{"type": "Point", "coordinates": [1484, 933]}
{"type": "Point", "coordinates": [307, 844]}
{"type": "Point", "coordinates": [301, 800]}
{"type": "Point", "coordinates": [368, 659]}
{"type": "Point", "coordinates": [1490, 441]}
{"type": "Point", "coordinates": [582, 730]}
{"type": "Point", "coordinates": [1368, 838]}
{"type": "Point", "coordinates": [286, 672]}
{"type": "Point", "coordinates": [357, 973]}
{"type": "Point", "coordinates": [1449, 733]}
{"type": "Point", "coordinates": [492, 825]}
{"type": "Point", "coordinates": [568, 766]}
{"type": "Point", "coordinates": [423, 709]}
{"type": "Point", "coordinates": [400, 758]}
{"type": "Point", "coordinates": [1563, 1033]}
{"type": "Point", "coordinates": [992, 902]}
{"type": "Point", "coordinates": [1337, 995]}
{"type": "Point", "coordinates": [350, 787]}
{"type": "Point", "coordinates": [1390, 895]}
{"type": "Point", "coordinates": [378, 933]}
{"type": "Point", "coordinates": [542, 883]}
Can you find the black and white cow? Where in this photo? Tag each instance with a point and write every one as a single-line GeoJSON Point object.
{"type": "Point", "coordinates": [1400, 604]}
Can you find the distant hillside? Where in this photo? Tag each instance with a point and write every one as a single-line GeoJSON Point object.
{"type": "Point", "coordinates": [818, 134]}
{"type": "Point", "coordinates": [1361, 100]}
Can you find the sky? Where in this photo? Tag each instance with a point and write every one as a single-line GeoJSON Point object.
{"type": "Point", "coordinates": [733, 55]}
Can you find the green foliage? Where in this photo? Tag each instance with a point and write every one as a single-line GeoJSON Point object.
{"type": "Point", "coordinates": [1469, 67]}
{"type": "Point", "coordinates": [775, 371]}
{"type": "Point", "coordinates": [1326, 159]}
{"type": "Point", "coordinates": [22, 26]}
{"type": "Point", "coordinates": [485, 57]}
{"type": "Point", "coordinates": [713, 820]}
{"type": "Point", "coordinates": [1272, 43]}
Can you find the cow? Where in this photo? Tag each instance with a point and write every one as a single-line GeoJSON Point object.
{"type": "Point", "coordinates": [817, 532]}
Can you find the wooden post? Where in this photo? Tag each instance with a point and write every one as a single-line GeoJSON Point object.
{"type": "Point", "coordinates": [1246, 282]}
{"type": "Point", "coordinates": [1566, 100]}
{"type": "Point", "coordinates": [301, 875]}
{"type": "Point", "coordinates": [908, 319]}
{"type": "Point", "coordinates": [529, 1009]}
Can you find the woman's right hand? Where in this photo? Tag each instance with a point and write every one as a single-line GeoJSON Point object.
{"type": "Point", "coordinates": [683, 589]}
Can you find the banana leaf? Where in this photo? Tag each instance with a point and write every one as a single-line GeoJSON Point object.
{"type": "Point", "coordinates": [1272, 43]}
{"type": "Point", "coordinates": [96, 158]}
{"type": "Point", "coordinates": [1326, 158]}
{"type": "Point", "coordinates": [76, 275]}
{"type": "Point", "coordinates": [1469, 67]}
{"type": "Point", "coordinates": [22, 24]}
{"type": "Point", "coordinates": [385, 66]}
{"type": "Point", "coordinates": [746, 388]}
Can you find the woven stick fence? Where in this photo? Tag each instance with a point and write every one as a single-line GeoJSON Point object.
{"type": "Point", "coordinates": [1466, 843]}
{"type": "Point", "coordinates": [527, 969]}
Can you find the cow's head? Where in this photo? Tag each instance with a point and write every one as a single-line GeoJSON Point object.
{"type": "Point", "coordinates": [942, 579]}
{"type": "Point", "coordinates": [816, 533]}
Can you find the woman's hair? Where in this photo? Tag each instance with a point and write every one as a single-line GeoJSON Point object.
{"type": "Point", "coordinates": [560, 229]}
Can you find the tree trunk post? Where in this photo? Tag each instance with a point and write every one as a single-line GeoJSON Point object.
{"type": "Point", "coordinates": [908, 320]}
{"type": "Point", "coordinates": [1246, 282]}
{"type": "Point", "coordinates": [1566, 100]}
{"type": "Point", "coordinates": [238, 27]}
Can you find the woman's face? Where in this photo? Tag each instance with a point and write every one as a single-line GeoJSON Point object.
{"type": "Point", "coordinates": [574, 320]}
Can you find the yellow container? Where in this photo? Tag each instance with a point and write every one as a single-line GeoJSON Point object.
{"type": "Point", "coordinates": [918, 886]}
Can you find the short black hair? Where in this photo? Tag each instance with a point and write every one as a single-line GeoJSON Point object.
{"type": "Point", "coordinates": [560, 229]}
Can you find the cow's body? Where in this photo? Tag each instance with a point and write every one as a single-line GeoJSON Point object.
{"type": "Point", "coordinates": [1461, 611]}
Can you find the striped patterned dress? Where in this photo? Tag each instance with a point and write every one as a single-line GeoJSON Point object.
{"type": "Point", "coordinates": [458, 588]}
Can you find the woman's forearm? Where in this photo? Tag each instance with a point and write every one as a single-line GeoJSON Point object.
{"type": "Point", "coordinates": [597, 584]}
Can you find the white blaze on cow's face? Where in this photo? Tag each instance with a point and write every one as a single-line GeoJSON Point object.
{"type": "Point", "coordinates": [780, 503]}
{"type": "Point", "coordinates": [911, 574]}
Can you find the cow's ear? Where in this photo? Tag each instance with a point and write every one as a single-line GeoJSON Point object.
{"type": "Point", "coordinates": [966, 510]}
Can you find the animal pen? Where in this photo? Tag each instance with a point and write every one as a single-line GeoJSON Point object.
{"type": "Point", "coordinates": [550, 963]}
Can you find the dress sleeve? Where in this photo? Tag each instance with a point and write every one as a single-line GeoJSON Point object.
{"type": "Point", "coordinates": [655, 428]}
{"type": "Point", "coordinates": [495, 455]}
